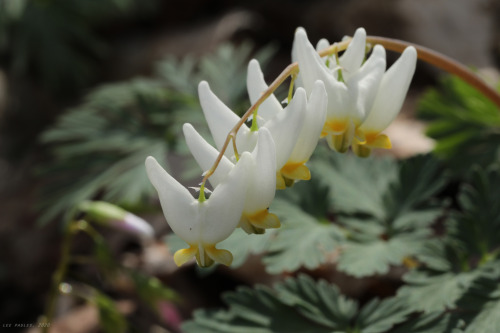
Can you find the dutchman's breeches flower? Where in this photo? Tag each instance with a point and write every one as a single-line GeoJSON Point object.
{"type": "Point", "coordinates": [202, 223]}
{"type": "Point", "coordinates": [310, 130]}
{"type": "Point", "coordinates": [294, 129]}
{"type": "Point", "coordinates": [261, 177]}
{"type": "Point", "coordinates": [388, 102]}
{"type": "Point", "coordinates": [351, 85]}
{"type": "Point", "coordinates": [362, 99]}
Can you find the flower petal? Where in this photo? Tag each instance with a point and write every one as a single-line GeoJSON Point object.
{"type": "Point", "coordinates": [176, 201]}
{"type": "Point", "coordinates": [285, 127]}
{"type": "Point", "coordinates": [311, 66]}
{"type": "Point", "coordinates": [205, 155]}
{"type": "Point", "coordinates": [363, 84]}
{"type": "Point", "coordinates": [262, 182]}
{"type": "Point", "coordinates": [222, 211]}
{"type": "Point", "coordinates": [392, 92]}
{"type": "Point", "coordinates": [184, 255]}
{"type": "Point", "coordinates": [256, 85]}
{"type": "Point", "coordinates": [221, 120]}
{"type": "Point", "coordinates": [353, 56]}
{"type": "Point", "coordinates": [312, 125]}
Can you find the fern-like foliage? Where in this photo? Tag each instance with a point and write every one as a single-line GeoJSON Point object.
{"type": "Point", "coordinates": [461, 271]}
{"type": "Point", "coordinates": [464, 123]}
{"type": "Point", "coordinates": [297, 305]}
{"type": "Point", "coordinates": [99, 147]}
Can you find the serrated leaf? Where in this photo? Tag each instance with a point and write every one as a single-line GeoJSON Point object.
{"type": "Point", "coordinates": [355, 184]}
{"type": "Point", "coordinates": [488, 320]}
{"type": "Point", "coordinates": [463, 122]}
{"type": "Point", "coordinates": [376, 257]}
{"type": "Point", "coordinates": [435, 293]}
{"type": "Point", "coordinates": [296, 305]}
{"type": "Point", "coordinates": [381, 315]}
{"type": "Point", "coordinates": [302, 241]}
{"type": "Point", "coordinates": [428, 323]}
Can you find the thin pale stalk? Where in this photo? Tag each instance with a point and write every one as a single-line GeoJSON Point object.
{"type": "Point", "coordinates": [291, 69]}
{"type": "Point", "coordinates": [440, 61]}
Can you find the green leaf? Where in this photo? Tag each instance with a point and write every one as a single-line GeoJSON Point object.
{"type": "Point", "coordinates": [355, 184]}
{"type": "Point", "coordinates": [488, 320]}
{"type": "Point", "coordinates": [429, 323]}
{"type": "Point", "coordinates": [432, 293]}
{"type": "Point", "coordinates": [297, 305]}
{"type": "Point", "coordinates": [465, 124]}
{"type": "Point", "coordinates": [361, 259]}
{"type": "Point", "coordinates": [476, 228]}
{"type": "Point", "coordinates": [386, 208]}
{"type": "Point", "coordinates": [111, 320]}
{"type": "Point", "coordinates": [302, 241]}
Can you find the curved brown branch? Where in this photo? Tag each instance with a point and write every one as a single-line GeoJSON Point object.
{"type": "Point", "coordinates": [440, 61]}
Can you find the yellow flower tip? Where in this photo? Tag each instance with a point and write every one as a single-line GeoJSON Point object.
{"type": "Point", "coordinates": [258, 222]}
{"type": "Point", "coordinates": [263, 219]}
{"type": "Point", "coordinates": [280, 181]}
{"type": "Point", "coordinates": [183, 256]}
{"type": "Point", "coordinates": [296, 171]}
{"type": "Point", "coordinates": [376, 140]}
{"type": "Point", "coordinates": [219, 255]}
{"type": "Point", "coordinates": [249, 228]}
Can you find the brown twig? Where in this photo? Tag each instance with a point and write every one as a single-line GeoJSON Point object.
{"type": "Point", "coordinates": [440, 61]}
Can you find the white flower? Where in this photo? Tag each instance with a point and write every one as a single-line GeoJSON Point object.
{"type": "Point", "coordinates": [284, 126]}
{"type": "Point", "coordinates": [362, 99]}
{"type": "Point", "coordinates": [390, 98]}
{"type": "Point", "coordinates": [310, 130]}
{"type": "Point", "coordinates": [202, 223]}
{"type": "Point", "coordinates": [351, 85]}
{"type": "Point", "coordinates": [261, 177]}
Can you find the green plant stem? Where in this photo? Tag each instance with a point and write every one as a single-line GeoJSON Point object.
{"type": "Point", "coordinates": [58, 276]}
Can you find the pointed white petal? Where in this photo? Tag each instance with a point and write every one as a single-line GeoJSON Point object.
{"type": "Point", "coordinates": [221, 119]}
{"type": "Point", "coordinates": [311, 66]}
{"type": "Point", "coordinates": [285, 127]}
{"type": "Point", "coordinates": [312, 124]}
{"type": "Point", "coordinates": [205, 155]}
{"type": "Point", "coordinates": [323, 43]}
{"type": "Point", "coordinates": [222, 211]}
{"type": "Point", "coordinates": [262, 183]}
{"type": "Point", "coordinates": [256, 85]}
{"type": "Point", "coordinates": [353, 56]}
{"type": "Point", "coordinates": [364, 84]}
{"type": "Point", "coordinates": [392, 92]}
{"type": "Point", "coordinates": [179, 206]}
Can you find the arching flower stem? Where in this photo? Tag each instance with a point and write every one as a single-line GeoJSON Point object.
{"type": "Point", "coordinates": [425, 54]}
{"type": "Point", "coordinates": [442, 62]}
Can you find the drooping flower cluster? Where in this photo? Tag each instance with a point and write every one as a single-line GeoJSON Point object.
{"type": "Point", "coordinates": [363, 99]}
{"type": "Point", "coordinates": [347, 99]}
